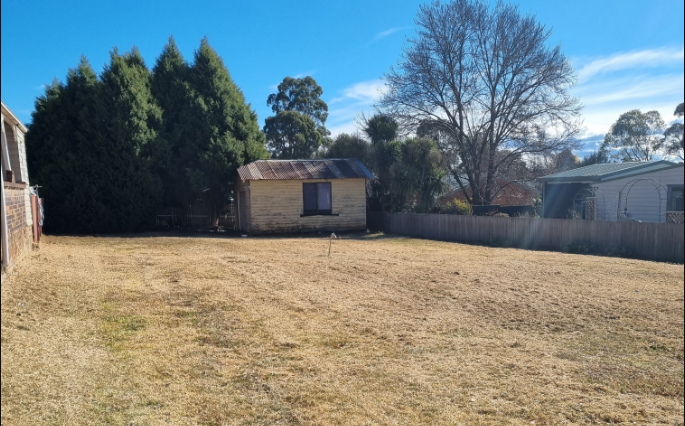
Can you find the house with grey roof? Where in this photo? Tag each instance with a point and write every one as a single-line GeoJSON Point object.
{"type": "Point", "coordinates": [279, 196]}
{"type": "Point", "coordinates": [639, 191]}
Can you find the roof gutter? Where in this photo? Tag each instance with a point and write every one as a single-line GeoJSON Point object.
{"type": "Point", "coordinates": [647, 168]}
{"type": "Point", "coordinates": [12, 118]}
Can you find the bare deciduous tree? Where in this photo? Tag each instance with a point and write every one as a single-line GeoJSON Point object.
{"type": "Point", "coordinates": [487, 82]}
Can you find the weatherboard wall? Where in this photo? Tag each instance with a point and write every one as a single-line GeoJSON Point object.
{"type": "Point", "coordinates": [647, 200]}
{"type": "Point", "coordinates": [277, 206]}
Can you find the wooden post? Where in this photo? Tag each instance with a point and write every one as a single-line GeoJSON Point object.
{"type": "Point", "coordinates": [34, 212]}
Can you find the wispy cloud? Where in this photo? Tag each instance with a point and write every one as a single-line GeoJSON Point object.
{"type": "Point", "coordinates": [648, 80]}
{"type": "Point", "coordinates": [366, 92]}
{"type": "Point", "coordinates": [353, 100]}
{"type": "Point", "coordinates": [274, 87]}
{"type": "Point", "coordinates": [649, 58]}
{"type": "Point", "coordinates": [388, 32]}
{"type": "Point", "coordinates": [633, 88]}
{"type": "Point", "coordinates": [306, 74]}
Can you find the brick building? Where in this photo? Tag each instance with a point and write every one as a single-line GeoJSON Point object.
{"type": "Point", "coordinates": [17, 216]}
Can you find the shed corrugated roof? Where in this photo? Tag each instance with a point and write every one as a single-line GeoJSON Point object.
{"type": "Point", "coordinates": [605, 171]}
{"type": "Point", "coordinates": [347, 168]}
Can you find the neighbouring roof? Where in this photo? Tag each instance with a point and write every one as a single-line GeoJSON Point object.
{"type": "Point", "coordinates": [9, 115]}
{"type": "Point", "coordinates": [609, 171]}
{"type": "Point", "coordinates": [347, 168]}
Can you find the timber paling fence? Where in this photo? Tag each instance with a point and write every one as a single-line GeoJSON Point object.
{"type": "Point", "coordinates": [650, 241]}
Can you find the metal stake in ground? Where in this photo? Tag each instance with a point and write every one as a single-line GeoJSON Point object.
{"type": "Point", "coordinates": [330, 243]}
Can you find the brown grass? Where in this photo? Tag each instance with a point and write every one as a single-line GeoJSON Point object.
{"type": "Point", "coordinates": [388, 331]}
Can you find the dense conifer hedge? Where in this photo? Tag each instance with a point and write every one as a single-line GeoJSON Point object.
{"type": "Point", "coordinates": [109, 150]}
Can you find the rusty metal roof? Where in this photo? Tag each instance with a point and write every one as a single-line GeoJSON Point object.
{"type": "Point", "coordinates": [347, 168]}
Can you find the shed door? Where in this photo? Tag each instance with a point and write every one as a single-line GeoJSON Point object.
{"type": "Point", "coordinates": [242, 201]}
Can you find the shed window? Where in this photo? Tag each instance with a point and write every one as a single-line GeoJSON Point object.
{"type": "Point", "coordinates": [675, 199]}
{"type": "Point", "coordinates": [317, 198]}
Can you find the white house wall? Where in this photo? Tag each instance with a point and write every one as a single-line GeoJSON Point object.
{"type": "Point", "coordinates": [643, 201]}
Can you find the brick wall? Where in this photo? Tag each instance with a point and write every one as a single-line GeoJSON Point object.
{"type": "Point", "coordinates": [20, 235]}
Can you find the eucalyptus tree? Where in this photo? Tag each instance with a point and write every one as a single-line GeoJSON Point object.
{"type": "Point", "coordinates": [292, 135]}
{"type": "Point", "coordinates": [350, 146]}
{"type": "Point", "coordinates": [302, 95]}
{"type": "Point", "coordinates": [298, 128]}
{"type": "Point", "coordinates": [488, 81]}
{"type": "Point", "coordinates": [674, 135]}
{"type": "Point", "coordinates": [636, 136]}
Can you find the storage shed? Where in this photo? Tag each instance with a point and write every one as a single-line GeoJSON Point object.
{"type": "Point", "coordinates": [278, 196]}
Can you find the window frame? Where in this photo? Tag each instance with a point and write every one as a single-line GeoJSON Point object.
{"type": "Point", "coordinates": [316, 212]}
{"type": "Point", "coordinates": [669, 198]}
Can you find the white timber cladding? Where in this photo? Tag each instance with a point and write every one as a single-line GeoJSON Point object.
{"type": "Point", "coordinates": [643, 201]}
{"type": "Point", "coordinates": [278, 206]}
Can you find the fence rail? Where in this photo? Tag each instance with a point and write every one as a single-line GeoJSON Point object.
{"type": "Point", "coordinates": [197, 215]}
{"type": "Point", "coordinates": [650, 241]}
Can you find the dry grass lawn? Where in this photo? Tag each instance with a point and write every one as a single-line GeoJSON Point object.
{"type": "Point", "coordinates": [387, 331]}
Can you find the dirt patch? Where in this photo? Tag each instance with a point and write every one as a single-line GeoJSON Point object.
{"type": "Point", "coordinates": [268, 331]}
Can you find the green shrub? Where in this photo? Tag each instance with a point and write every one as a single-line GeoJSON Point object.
{"type": "Point", "coordinates": [500, 215]}
{"type": "Point", "coordinates": [500, 242]}
{"type": "Point", "coordinates": [457, 207]}
{"type": "Point", "coordinates": [619, 251]}
{"type": "Point", "coordinates": [580, 248]}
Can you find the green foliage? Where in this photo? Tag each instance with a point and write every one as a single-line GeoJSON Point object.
{"type": "Point", "coordinates": [171, 88]}
{"type": "Point", "coordinates": [130, 120]}
{"type": "Point", "coordinates": [348, 146]}
{"type": "Point", "coordinates": [302, 95]}
{"type": "Point", "coordinates": [616, 250]}
{"type": "Point", "coordinates": [500, 215]}
{"type": "Point", "coordinates": [292, 135]}
{"type": "Point", "coordinates": [636, 136]}
{"type": "Point", "coordinates": [380, 128]}
{"type": "Point", "coordinates": [600, 156]}
{"type": "Point", "coordinates": [89, 148]}
{"type": "Point", "coordinates": [224, 132]}
{"type": "Point", "coordinates": [500, 242]}
{"type": "Point", "coordinates": [409, 175]}
{"type": "Point", "coordinates": [298, 129]}
{"type": "Point", "coordinates": [580, 248]}
{"type": "Point", "coordinates": [108, 151]}
{"type": "Point", "coordinates": [674, 136]}
{"type": "Point", "coordinates": [456, 207]}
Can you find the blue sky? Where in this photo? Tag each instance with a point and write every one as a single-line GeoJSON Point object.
{"type": "Point", "coordinates": [628, 54]}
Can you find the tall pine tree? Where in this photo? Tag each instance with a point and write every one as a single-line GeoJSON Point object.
{"type": "Point", "coordinates": [224, 132]}
{"type": "Point", "coordinates": [171, 88]}
{"type": "Point", "coordinates": [60, 145]}
{"type": "Point", "coordinates": [131, 119]}
{"type": "Point", "coordinates": [109, 151]}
